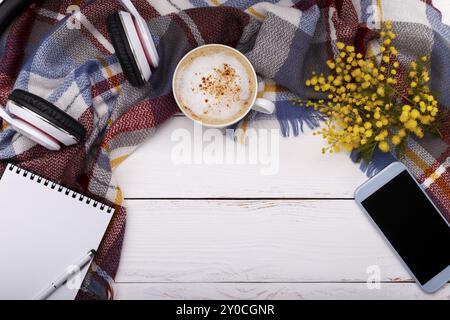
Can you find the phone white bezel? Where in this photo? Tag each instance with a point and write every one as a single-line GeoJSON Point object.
{"type": "Point", "coordinates": [370, 187]}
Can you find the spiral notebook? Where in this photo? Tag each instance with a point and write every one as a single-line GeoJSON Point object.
{"type": "Point", "coordinates": [44, 229]}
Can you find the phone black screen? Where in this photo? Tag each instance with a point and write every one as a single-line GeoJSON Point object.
{"type": "Point", "coordinates": [412, 225]}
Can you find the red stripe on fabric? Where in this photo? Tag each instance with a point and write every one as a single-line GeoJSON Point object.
{"type": "Point", "coordinates": [438, 162]}
{"type": "Point", "coordinates": [346, 24]}
{"type": "Point", "coordinates": [360, 42]}
{"type": "Point", "coordinates": [325, 3]}
{"type": "Point", "coordinates": [110, 248]}
{"type": "Point", "coordinates": [108, 84]}
{"type": "Point", "coordinates": [83, 30]}
{"type": "Point", "coordinates": [338, 4]}
{"type": "Point", "coordinates": [64, 166]}
{"type": "Point", "coordinates": [146, 114]}
{"type": "Point", "coordinates": [13, 54]}
{"type": "Point", "coordinates": [444, 119]}
{"type": "Point", "coordinates": [304, 5]}
{"type": "Point", "coordinates": [108, 254]}
{"type": "Point", "coordinates": [100, 47]}
{"type": "Point", "coordinates": [49, 5]}
{"type": "Point", "coordinates": [146, 10]}
{"type": "Point", "coordinates": [326, 15]}
{"type": "Point", "coordinates": [45, 19]}
{"type": "Point", "coordinates": [97, 13]}
{"type": "Point", "coordinates": [439, 191]}
{"type": "Point", "coordinates": [348, 29]}
{"type": "Point", "coordinates": [223, 25]}
{"type": "Point", "coordinates": [185, 28]}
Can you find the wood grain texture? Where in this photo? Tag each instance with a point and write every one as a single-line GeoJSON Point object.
{"type": "Point", "coordinates": [322, 247]}
{"type": "Point", "coordinates": [274, 291]}
{"type": "Point", "coordinates": [304, 172]}
{"type": "Point", "coordinates": [252, 241]}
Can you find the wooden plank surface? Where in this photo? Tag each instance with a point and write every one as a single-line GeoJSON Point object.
{"type": "Point", "coordinates": [252, 240]}
{"type": "Point", "coordinates": [273, 291]}
{"type": "Point", "coordinates": [274, 247]}
{"type": "Point", "coordinates": [315, 245]}
{"type": "Point", "coordinates": [303, 172]}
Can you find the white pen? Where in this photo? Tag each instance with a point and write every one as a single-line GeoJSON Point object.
{"type": "Point", "coordinates": [63, 278]}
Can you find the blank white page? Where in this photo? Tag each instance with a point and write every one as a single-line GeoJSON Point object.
{"type": "Point", "coordinates": [42, 232]}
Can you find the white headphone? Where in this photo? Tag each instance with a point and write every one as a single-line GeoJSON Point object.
{"type": "Point", "coordinates": [46, 124]}
{"type": "Point", "coordinates": [41, 121]}
{"type": "Point", "coordinates": [133, 43]}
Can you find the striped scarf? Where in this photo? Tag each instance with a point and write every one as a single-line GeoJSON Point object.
{"type": "Point", "coordinates": [60, 50]}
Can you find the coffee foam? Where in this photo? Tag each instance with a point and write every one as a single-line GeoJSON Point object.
{"type": "Point", "coordinates": [215, 86]}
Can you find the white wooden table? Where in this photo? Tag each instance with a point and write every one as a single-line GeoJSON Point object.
{"type": "Point", "coordinates": [228, 232]}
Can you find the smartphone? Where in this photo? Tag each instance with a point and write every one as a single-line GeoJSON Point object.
{"type": "Point", "coordinates": [410, 223]}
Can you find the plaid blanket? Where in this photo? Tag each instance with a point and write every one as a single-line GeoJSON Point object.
{"type": "Point", "coordinates": [61, 51]}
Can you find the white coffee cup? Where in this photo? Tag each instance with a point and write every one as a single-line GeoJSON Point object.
{"type": "Point", "coordinates": [257, 104]}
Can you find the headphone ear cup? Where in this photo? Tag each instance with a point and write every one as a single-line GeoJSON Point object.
{"type": "Point", "coordinates": [50, 112]}
{"type": "Point", "coordinates": [35, 134]}
{"type": "Point", "coordinates": [123, 50]}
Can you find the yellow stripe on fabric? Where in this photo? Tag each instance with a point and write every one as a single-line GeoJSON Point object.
{"type": "Point", "coordinates": [417, 160]}
{"type": "Point", "coordinates": [117, 161]}
{"type": "Point", "coordinates": [119, 196]}
{"type": "Point", "coordinates": [274, 88]}
{"type": "Point", "coordinates": [244, 127]}
{"type": "Point", "coordinates": [370, 52]}
{"type": "Point", "coordinates": [434, 176]}
{"type": "Point", "coordinates": [255, 13]}
{"type": "Point", "coordinates": [108, 70]}
{"type": "Point", "coordinates": [380, 12]}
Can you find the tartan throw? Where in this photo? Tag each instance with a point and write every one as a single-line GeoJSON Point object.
{"type": "Point", "coordinates": [61, 51]}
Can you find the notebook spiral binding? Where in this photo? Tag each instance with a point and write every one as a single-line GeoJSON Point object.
{"type": "Point", "coordinates": [59, 188]}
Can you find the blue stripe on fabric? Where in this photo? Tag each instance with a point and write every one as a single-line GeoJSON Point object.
{"type": "Point", "coordinates": [365, 12]}
{"type": "Point", "coordinates": [99, 76]}
{"type": "Point", "coordinates": [3, 43]}
{"type": "Point", "coordinates": [308, 20]}
{"type": "Point", "coordinates": [199, 3]}
{"type": "Point", "coordinates": [244, 4]}
{"type": "Point", "coordinates": [22, 80]}
{"type": "Point", "coordinates": [440, 56]}
{"type": "Point", "coordinates": [6, 144]}
{"type": "Point", "coordinates": [35, 64]}
{"type": "Point", "coordinates": [155, 36]}
{"type": "Point", "coordinates": [56, 66]}
{"type": "Point", "coordinates": [285, 95]}
{"type": "Point", "coordinates": [290, 117]}
{"type": "Point", "coordinates": [290, 74]}
{"type": "Point", "coordinates": [103, 161]}
{"type": "Point", "coordinates": [62, 88]}
{"type": "Point", "coordinates": [42, 65]}
{"type": "Point", "coordinates": [85, 79]}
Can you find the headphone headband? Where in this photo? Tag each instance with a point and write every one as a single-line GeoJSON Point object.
{"type": "Point", "coordinates": [11, 9]}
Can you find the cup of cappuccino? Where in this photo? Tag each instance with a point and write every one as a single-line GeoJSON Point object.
{"type": "Point", "coordinates": [217, 86]}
